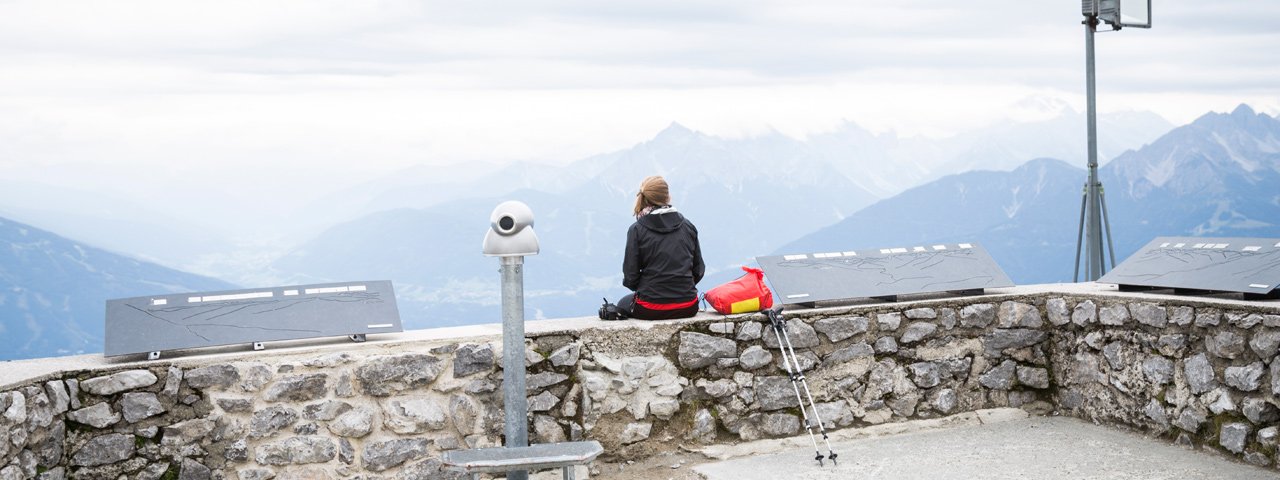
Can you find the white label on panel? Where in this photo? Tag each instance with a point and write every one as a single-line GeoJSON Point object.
{"type": "Point", "coordinates": [1258, 285]}
{"type": "Point", "coordinates": [159, 301]}
{"type": "Point", "coordinates": [798, 295]}
{"type": "Point", "coordinates": [795, 257]}
{"type": "Point", "coordinates": [1251, 249]}
{"type": "Point", "coordinates": [290, 293]}
{"type": "Point", "coordinates": [1180, 245]}
{"type": "Point", "coordinates": [1198, 245]}
{"type": "Point", "coordinates": [312, 291]}
{"type": "Point", "coordinates": [381, 325]}
{"type": "Point", "coordinates": [850, 254]}
{"type": "Point", "coordinates": [966, 245]}
{"type": "Point", "coordinates": [1165, 244]}
{"type": "Point", "coordinates": [193, 299]}
{"type": "Point", "coordinates": [1221, 245]}
{"type": "Point", "coordinates": [918, 249]}
{"type": "Point", "coordinates": [237, 296]}
{"type": "Point", "coordinates": [898, 250]}
{"type": "Point", "coordinates": [886, 251]}
{"type": "Point", "coordinates": [939, 247]}
{"type": "Point", "coordinates": [355, 288]}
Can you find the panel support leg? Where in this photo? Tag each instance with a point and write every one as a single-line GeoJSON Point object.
{"type": "Point", "coordinates": [1263, 296]}
{"type": "Point", "coordinates": [1132, 288]}
{"type": "Point", "coordinates": [259, 346]}
{"type": "Point", "coordinates": [1084, 197]}
{"type": "Point", "coordinates": [153, 356]}
{"type": "Point", "coordinates": [358, 338]}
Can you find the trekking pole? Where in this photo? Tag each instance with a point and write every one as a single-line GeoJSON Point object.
{"type": "Point", "coordinates": [797, 379]}
{"type": "Point", "coordinates": [775, 318]}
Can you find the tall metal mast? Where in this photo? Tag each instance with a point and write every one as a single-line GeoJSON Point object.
{"type": "Point", "coordinates": [1094, 224]}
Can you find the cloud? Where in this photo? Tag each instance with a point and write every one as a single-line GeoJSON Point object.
{"type": "Point", "coordinates": [134, 26]}
{"type": "Point", "coordinates": [379, 85]}
{"type": "Point", "coordinates": [580, 44]}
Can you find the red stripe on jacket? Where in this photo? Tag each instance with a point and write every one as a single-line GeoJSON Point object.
{"type": "Point", "coordinates": [667, 306]}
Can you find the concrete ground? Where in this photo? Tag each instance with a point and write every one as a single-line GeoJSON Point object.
{"type": "Point", "coordinates": [1010, 447]}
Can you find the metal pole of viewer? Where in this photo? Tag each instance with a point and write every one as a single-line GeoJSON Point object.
{"type": "Point", "coordinates": [516, 405]}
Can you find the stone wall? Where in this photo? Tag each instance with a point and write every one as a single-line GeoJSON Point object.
{"type": "Point", "coordinates": [1199, 373]}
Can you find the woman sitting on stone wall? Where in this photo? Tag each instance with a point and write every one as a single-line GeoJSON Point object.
{"type": "Point", "coordinates": [663, 260]}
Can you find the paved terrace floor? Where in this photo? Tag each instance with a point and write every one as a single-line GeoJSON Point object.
{"type": "Point", "coordinates": [991, 444]}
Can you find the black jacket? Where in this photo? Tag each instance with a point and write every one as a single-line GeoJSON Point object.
{"type": "Point", "coordinates": [663, 261]}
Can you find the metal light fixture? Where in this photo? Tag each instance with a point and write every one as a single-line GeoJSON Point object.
{"type": "Point", "coordinates": [1118, 13]}
{"type": "Point", "coordinates": [1093, 205]}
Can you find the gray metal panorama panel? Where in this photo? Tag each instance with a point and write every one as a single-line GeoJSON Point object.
{"type": "Point", "coordinates": [1225, 264]}
{"type": "Point", "coordinates": [205, 319]}
{"type": "Point", "coordinates": [840, 275]}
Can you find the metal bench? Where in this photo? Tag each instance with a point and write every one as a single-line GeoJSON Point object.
{"type": "Point", "coordinates": [540, 456]}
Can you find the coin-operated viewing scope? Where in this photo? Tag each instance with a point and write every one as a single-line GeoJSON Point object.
{"type": "Point", "coordinates": [511, 231]}
{"type": "Point", "coordinates": [510, 237]}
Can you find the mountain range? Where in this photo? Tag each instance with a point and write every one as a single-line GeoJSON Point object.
{"type": "Point", "coordinates": [213, 233]}
{"type": "Point", "coordinates": [883, 164]}
{"type": "Point", "coordinates": [1216, 176]}
{"type": "Point", "coordinates": [53, 290]}
{"type": "Point", "coordinates": [845, 189]}
{"type": "Point", "coordinates": [727, 188]}
{"type": "Point", "coordinates": [110, 221]}
{"type": "Point", "coordinates": [747, 196]}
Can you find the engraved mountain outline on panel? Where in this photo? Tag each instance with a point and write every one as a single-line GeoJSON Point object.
{"type": "Point", "coordinates": [180, 315]}
{"type": "Point", "coordinates": [1248, 265]}
{"type": "Point", "coordinates": [180, 321]}
{"type": "Point", "coordinates": [882, 272]}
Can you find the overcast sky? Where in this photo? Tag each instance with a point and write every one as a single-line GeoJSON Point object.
{"type": "Point", "coordinates": [312, 88]}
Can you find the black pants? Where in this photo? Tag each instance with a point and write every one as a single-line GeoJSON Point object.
{"type": "Point", "coordinates": [632, 309]}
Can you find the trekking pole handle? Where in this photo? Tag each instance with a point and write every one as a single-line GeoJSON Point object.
{"type": "Point", "coordinates": [775, 316]}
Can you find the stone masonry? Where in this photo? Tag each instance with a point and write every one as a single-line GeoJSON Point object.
{"type": "Point", "coordinates": [1195, 373]}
